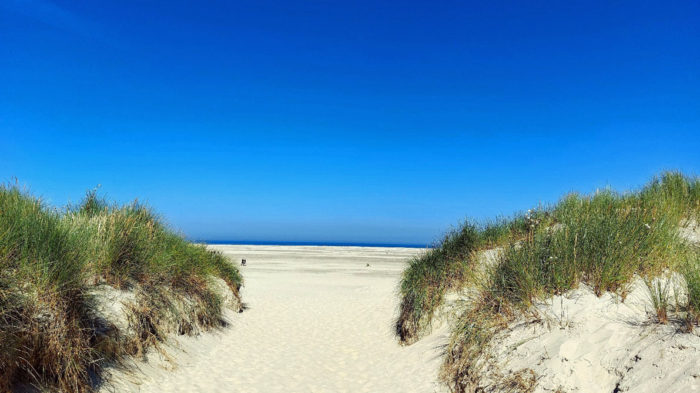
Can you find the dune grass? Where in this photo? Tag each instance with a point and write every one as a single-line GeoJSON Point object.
{"type": "Point", "coordinates": [449, 265]}
{"type": "Point", "coordinates": [604, 240]}
{"type": "Point", "coordinates": [691, 277]}
{"type": "Point", "coordinates": [50, 333]}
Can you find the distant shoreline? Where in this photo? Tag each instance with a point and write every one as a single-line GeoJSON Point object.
{"type": "Point", "coordinates": [310, 243]}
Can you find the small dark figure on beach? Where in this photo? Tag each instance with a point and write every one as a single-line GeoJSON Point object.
{"type": "Point", "coordinates": [242, 262]}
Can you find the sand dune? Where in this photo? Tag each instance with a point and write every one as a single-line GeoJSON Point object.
{"type": "Point", "coordinates": [318, 320]}
{"type": "Point", "coordinates": [585, 343]}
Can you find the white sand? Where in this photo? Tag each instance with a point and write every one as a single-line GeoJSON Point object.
{"type": "Point", "coordinates": [319, 320]}
{"type": "Point", "coordinates": [588, 344]}
{"type": "Point", "coordinates": [585, 343]}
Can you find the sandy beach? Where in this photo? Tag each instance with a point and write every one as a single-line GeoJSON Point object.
{"type": "Point", "coordinates": [519, 183]}
{"type": "Point", "coordinates": [318, 319]}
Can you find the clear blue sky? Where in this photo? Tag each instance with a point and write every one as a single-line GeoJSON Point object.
{"type": "Point", "coordinates": [356, 121]}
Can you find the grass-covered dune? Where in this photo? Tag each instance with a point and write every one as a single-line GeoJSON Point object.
{"type": "Point", "coordinates": [605, 240]}
{"type": "Point", "coordinates": [57, 330]}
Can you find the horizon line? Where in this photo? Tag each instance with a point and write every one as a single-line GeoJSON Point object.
{"type": "Point", "coordinates": [310, 243]}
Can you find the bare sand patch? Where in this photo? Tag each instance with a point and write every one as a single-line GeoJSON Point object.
{"type": "Point", "coordinates": [318, 320]}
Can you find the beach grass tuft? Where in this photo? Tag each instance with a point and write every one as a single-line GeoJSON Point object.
{"type": "Point", "coordinates": [51, 260]}
{"type": "Point", "coordinates": [605, 240]}
{"type": "Point", "coordinates": [450, 265]}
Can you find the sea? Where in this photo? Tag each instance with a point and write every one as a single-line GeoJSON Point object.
{"type": "Point", "coordinates": [309, 243]}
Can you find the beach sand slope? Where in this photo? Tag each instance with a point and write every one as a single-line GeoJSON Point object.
{"type": "Point", "coordinates": [318, 320]}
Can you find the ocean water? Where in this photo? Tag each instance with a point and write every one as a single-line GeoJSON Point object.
{"type": "Point", "coordinates": [310, 243]}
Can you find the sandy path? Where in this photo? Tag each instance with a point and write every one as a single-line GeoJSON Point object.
{"type": "Point", "coordinates": [319, 320]}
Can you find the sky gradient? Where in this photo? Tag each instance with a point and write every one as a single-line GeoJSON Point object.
{"type": "Point", "coordinates": [375, 122]}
